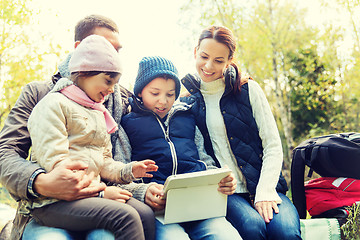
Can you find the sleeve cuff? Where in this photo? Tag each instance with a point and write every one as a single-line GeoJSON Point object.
{"type": "Point", "coordinates": [126, 174]}
{"type": "Point", "coordinates": [30, 186]}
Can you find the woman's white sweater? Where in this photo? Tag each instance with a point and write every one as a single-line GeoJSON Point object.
{"type": "Point", "coordinates": [268, 132]}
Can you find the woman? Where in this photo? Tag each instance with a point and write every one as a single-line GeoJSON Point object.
{"type": "Point", "coordinates": [240, 132]}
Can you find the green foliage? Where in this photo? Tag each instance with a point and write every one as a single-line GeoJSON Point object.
{"type": "Point", "coordinates": [23, 52]}
{"type": "Point", "coordinates": [351, 229]}
{"type": "Point", "coordinates": [348, 116]}
{"type": "Point", "coordinates": [312, 86]}
{"type": "Point", "coordinates": [313, 91]}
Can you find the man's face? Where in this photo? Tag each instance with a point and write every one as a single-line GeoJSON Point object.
{"type": "Point", "coordinates": [112, 37]}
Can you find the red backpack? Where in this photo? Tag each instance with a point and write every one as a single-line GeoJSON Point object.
{"type": "Point", "coordinates": [325, 193]}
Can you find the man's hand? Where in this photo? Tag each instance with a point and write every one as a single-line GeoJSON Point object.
{"type": "Point", "coordinates": [266, 208]}
{"type": "Point", "coordinates": [227, 185]}
{"type": "Point", "coordinates": [140, 169]}
{"type": "Point", "coordinates": [154, 197]}
{"type": "Point", "coordinates": [68, 182]}
{"type": "Point", "coordinates": [117, 194]}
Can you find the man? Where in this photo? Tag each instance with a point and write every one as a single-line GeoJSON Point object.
{"type": "Point", "coordinates": [24, 179]}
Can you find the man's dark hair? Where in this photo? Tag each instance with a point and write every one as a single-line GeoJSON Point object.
{"type": "Point", "coordinates": [85, 27]}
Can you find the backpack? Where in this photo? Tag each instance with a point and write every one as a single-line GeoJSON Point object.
{"type": "Point", "coordinates": [334, 155]}
{"type": "Point", "coordinates": [327, 193]}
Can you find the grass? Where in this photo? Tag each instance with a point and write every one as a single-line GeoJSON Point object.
{"type": "Point", "coordinates": [351, 229]}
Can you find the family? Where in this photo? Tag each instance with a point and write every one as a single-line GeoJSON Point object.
{"type": "Point", "coordinates": [100, 154]}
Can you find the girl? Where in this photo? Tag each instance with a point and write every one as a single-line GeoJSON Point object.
{"type": "Point", "coordinates": [71, 124]}
{"type": "Point", "coordinates": [240, 132]}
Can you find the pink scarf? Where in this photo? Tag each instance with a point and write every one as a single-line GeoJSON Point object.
{"type": "Point", "coordinates": [79, 96]}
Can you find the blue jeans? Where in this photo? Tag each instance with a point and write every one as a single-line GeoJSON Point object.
{"type": "Point", "coordinates": [213, 228]}
{"type": "Point", "coordinates": [284, 226]}
{"type": "Point", "coordinates": [34, 231]}
{"type": "Point", "coordinates": [125, 220]}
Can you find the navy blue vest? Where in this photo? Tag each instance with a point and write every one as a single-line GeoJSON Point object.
{"type": "Point", "coordinates": [172, 147]}
{"type": "Point", "coordinates": [243, 134]}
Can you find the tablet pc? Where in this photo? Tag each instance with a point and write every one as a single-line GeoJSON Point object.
{"type": "Point", "coordinates": [194, 196]}
{"type": "Point", "coordinates": [194, 179]}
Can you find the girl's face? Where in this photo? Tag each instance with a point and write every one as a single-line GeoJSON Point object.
{"type": "Point", "coordinates": [159, 95]}
{"type": "Point", "coordinates": [97, 86]}
{"type": "Point", "coordinates": [211, 59]}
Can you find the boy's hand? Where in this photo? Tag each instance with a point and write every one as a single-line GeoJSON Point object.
{"type": "Point", "coordinates": [227, 185]}
{"type": "Point", "coordinates": [117, 194]}
{"type": "Point", "coordinates": [154, 196]}
{"type": "Point", "coordinates": [140, 169]}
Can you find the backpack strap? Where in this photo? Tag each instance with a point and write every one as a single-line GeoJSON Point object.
{"type": "Point", "coordinates": [297, 181]}
{"type": "Point", "coordinates": [308, 161]}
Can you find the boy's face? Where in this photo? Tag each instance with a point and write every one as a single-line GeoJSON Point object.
{"type": "Point", "coordinates": [98, 86]}
{"type": "Point", "coordinates": [159, 96]}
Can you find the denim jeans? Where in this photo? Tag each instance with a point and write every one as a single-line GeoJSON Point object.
{"type": "Point", "coordinates": [130, 220]}
{"type": "Point", "coordinates": [92, 213]}
{"type": "Point", "coordinates": [213, 228]}
{"type": "Point", "coordinates": [284, 226]}
{"type": "Point", "coordinates": [34, 231]}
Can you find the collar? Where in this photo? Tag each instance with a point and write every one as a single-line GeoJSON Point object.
{"type": "Point", "coordinates": [192, 82]}
{"type": "Point", "coordinates": [63, 70]}
{"type": "Point", "coordinates": [64, 67]}
{"type": "Point", "coordinates": [214, 87]}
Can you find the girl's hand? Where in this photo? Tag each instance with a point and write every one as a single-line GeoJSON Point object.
{"type": "Point", "coordinates": [227, 185]}
{"type": "Point", "coordinates": [117, 194]}
{"type": "Point", "coordinates": [154, 196]}
{"type": "Point", "coordinates": [266, 208]}
{"type": "Point", "coordinates": [140, 169]}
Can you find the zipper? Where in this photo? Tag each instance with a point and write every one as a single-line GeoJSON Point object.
{"type": "Point", "coordinates": [166, 131]}
{"type": "Point", "coordinates": [166, 123]}
{"type": "Point", "coordinates": [171, 145]}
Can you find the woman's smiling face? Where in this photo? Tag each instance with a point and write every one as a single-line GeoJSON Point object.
{"type": "Point", "coordinates": [211, 59]}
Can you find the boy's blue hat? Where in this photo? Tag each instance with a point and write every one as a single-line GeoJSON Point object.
{"type": "Point", "coordinates": [153, 67]}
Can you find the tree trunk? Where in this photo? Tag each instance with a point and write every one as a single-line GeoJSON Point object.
{"type": "Point", "coordinates": [284, 111]}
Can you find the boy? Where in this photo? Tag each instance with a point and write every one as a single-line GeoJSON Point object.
{"type": "Point", "coordinates": [158, 129]}
{"type": "Point", "coordinates": [166, 133]}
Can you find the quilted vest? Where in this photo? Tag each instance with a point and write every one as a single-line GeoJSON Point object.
{"type": "Point", "coordinates": [241, 128]}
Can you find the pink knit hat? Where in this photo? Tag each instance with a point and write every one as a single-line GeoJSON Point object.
{"type": "Point", "coordinates": [95, 53]}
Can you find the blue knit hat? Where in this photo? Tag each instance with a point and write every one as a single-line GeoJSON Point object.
{"type": "Point", "coordinates": [154, 67]}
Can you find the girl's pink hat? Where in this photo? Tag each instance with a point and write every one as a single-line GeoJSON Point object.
{"type": "Point", "coordinates": [95, 53]}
